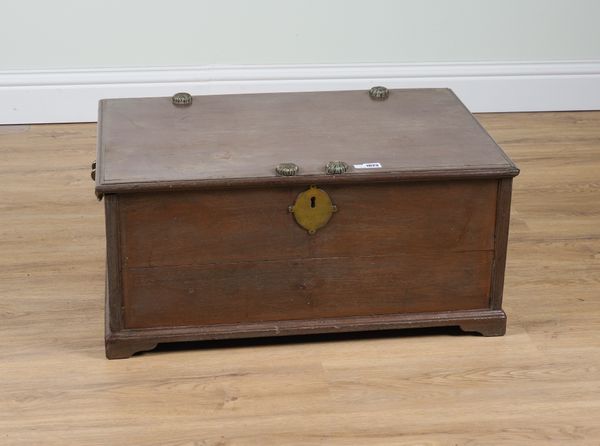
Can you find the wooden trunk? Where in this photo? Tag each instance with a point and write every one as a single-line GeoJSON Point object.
{"type": "Point", "coordinates": [201, 243]}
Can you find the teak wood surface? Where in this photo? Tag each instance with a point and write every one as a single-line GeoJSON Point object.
{"type": "Point", "coordinates": [238, 140]}
{"type": "Point", "coordinates": [236, 256]}
{"type": "Point", "coordinates": [201, 246]}
{"type": "Point", "coordinates": [538, 385]}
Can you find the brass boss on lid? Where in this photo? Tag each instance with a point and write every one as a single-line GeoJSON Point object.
{"type": "Point", "coordinates": [286, 169]}
{"type": "Point", "coordinates": [379, 93]}
{"type": "Point", "coordinates": [182, 99]}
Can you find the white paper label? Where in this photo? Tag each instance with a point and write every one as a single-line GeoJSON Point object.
{"type": "Point", "coordinates": [368, 166]}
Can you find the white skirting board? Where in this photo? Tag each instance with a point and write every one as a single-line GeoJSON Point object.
{"type": "Point", "coordinates": [72, 95]}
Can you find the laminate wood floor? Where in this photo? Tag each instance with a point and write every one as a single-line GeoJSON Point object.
{"type": "Point", "coordinates": [538, 385]}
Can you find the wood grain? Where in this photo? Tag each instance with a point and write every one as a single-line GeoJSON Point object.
{"type": "Point", "coordinates": [224, 140]}
{"type": "Point", "coordinates": [206, 227]}
{"type": "Point", "coordinates": [538, 385]}
{"type": "Point", "coordinates": [221, 257]}
{"type": "Point", "coordinates": [114, 277]}
{"type": "Point", "coordinates": [200, 256]}
{"type": "Point", "coordinates": [500, 242]}
{"type": "Point", "coordinates": [312, 288]}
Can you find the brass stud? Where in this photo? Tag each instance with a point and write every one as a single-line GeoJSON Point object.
{"type": "Point", "coordinates": [336, 167]}
{"type": "Point", "coordinates": [379, 93]}
{"type": "Point", "coordinates": [182, 99]}
{"type": "Point", "coordinates": [287, 169]}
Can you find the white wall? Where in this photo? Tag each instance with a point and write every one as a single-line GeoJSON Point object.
{"type": "Point", "coordinates": [51, 34]}
{"type": "Point", "coordinates": [59, 57]}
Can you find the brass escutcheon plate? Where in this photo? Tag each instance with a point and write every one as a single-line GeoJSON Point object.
{"type": "Point", "coordinates": [312, 209]}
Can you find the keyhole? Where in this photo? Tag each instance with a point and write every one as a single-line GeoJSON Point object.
{"type": "Point", "coordinates": [313, 201]}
